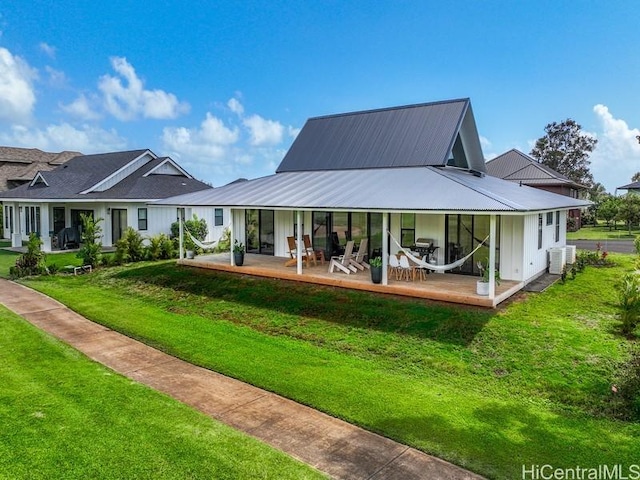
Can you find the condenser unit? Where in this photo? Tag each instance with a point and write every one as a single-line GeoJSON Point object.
{"type": "Point", "coordinates": [571, 254]}
{"type": "Point", "coordinates": [557, 260]}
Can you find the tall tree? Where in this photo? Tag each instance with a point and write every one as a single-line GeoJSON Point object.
{"type": "Point", "coordinates": [565, 149]}
{"type": "Point", "coordinates": [636, 177]}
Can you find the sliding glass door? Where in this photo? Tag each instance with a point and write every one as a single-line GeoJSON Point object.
{"type": "Point", "coordinates": [259, 231]}
{"type": "Point", "coordinates": [463, 234]}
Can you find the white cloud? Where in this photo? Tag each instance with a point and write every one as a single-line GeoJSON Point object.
{"type": "Point", "coordinates": [235, 106]}
{"type": "Point", "coordinates": [209, 142]}
{"type": "Point", "coordinates": [48, 50]}
{"type": "Point", "coordinates": [57, 78]}
{"type": "Point", "coordinates": [17, 97]}
{"type": "Point", "coordinates": [130, 100]}
{"type": "Point", "coordinates": [81, 108]}
{"type": "Point", "coordinates": [87, 139]}
{"type": "Point", "coordinates": [293, 131]}
{"type": "Point", "coordinates": [263, 131]}
{"type": "Point", "coordinates": [617, 156]}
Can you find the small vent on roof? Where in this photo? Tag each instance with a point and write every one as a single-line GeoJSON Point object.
{"type": "Point", "coordinates": [476, 173]}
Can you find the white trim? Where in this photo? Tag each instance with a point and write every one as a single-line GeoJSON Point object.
{"type": "Point", "coordinates": [175, 165]}
{"type": "Point", "coordinates": [38, 176]}
{"type": "Point", "coordinates": [106, 179]}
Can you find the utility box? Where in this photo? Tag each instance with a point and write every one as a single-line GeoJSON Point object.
{"type": "Point", "coordinates": [557, 260]}
{"type": "Point", "coordinates": [570, 254]}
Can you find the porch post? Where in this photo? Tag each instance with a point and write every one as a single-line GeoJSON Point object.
{"type": "Point", "coordinates": [492, 257]}
{"type": "Point", "coordinates": [44, 228]}
{"type": "Point", "coordinates": [385, 248]}
{"type": "Point", "coordinates": [299, 244]}
{"type": "Point", "coordinates": [232, 238]}
{"type": "Point", "coordinates": [181, 234]}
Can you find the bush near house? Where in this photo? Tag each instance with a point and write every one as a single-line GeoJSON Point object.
{"type": "Point", "coordinates": [32, 262]}
{"type": "Point", "coordinates": [196, 226]}
{"type": "Point", "coordinates": [91, 248]}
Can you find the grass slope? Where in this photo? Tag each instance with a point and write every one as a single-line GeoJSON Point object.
{"type": "Point", "coordinates": [64, 416]}
{"type": "Point", "coordinates": [487, 390]}
{"type": "Point", "coordinates": [602, 232]}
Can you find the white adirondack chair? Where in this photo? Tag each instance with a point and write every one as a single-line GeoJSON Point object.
{"type": "Point", "coordinates": [358, 260]}
{"type": "Point", "coordinates": [343, 262]}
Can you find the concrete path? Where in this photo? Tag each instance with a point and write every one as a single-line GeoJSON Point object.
{"type": "Point", "coordinates": [332, 446]}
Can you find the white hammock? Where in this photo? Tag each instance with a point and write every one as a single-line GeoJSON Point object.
{"type": "Point", "coordinates": [202, 245]}
{"type": "Point", "coordinates": [437, 268]}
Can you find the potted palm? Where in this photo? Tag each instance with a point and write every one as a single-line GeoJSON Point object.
{"type": "Point", "coordinates": [482, 285]}
{"type": "Point", "coordinates": [238, 253]}
{"type": "Point", "coordinates": [376, 269]}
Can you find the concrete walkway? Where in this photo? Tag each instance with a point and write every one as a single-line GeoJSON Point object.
{"type": "Point", "coordinates": [332, 446]}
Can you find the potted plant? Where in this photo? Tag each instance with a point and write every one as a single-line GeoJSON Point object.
{"type": "Point", "coordinates": [482, 285]}
{"type": "Point", "coordinates": [376, 269]}
{"type": "Point", "coordinates": [238, 253]}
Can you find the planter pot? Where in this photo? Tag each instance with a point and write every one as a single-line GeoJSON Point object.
{"type": "Point", "coordinates": [238, 258]}
{"type": "Point", "coordinates": [190, 254]}
{"type": "Point", "coordinates": [376, 274]}
{"type": "Point", "coordinates": [482, 288]}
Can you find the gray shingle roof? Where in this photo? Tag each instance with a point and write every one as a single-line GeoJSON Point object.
{"type": "Point", "coordinates": [630, 186]}
{"type": "Point", "coordinates": [21, 164]}
{"type": "Point", "coordinates": [391, 189]}
{"type": "Point", "coordinates": [519, 167]}
{"type": "Point", "coordinates": [83, 172]}
{"type": "Point", "coordinates": [409, 136]}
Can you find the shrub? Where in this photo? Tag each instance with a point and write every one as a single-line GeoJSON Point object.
{"type": "Point", "coordinates": [197, 227]}
{"type": "Point", "coordinates": [224, 244]}
{"type": "Point", "coordinates": [629, 303]}
{"type": "Point", "coordinates": [160, 247]}
{"type": "Point", "coordinates": [91, 249]}
{"type": "Point", "coordinates": [32, 262]}
{"type": "Point", "coordinates": [129, 248]}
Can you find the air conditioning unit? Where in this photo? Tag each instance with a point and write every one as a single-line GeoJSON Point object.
{"type": "Point", "coordinates": [571, 254]}
{"type": "Point", "coordinates": [557, 260]}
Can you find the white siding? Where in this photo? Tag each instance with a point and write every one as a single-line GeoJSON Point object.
{"type": "Point", "coordinates": [283, 227]}
{"type": "Point", "coordinates": [123, 173]}
{"type": "Point", "coordinates": [432, 226]}
{"type": "Point", "coordinates": [511, 248]}
{"type": "Point", "coordinates": [536, 259]}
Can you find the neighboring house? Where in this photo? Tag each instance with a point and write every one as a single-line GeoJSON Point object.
{"type": "Point", "coordinates": [519, 167]}
{"type": "Point", "coordinates": [416, 171]}
{"type": "Point", "coordinates": [19, 165]}
{"type": "Point", "coordinates": [113, 186]}
{"type": "Point", "coordinates": [631, 187]}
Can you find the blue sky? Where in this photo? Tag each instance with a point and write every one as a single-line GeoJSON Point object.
{"type": "Point", "coordinates": [224, 87]}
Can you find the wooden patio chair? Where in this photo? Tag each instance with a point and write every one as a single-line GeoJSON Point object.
{"type": "Point", "coordinates": [293, 253]}
{"type": "Point", "coordinates": [343, 262]}
{"type": "Point", "coordinates": [358, 260]}
{"type": "Point", "coordinates": [314, 255]}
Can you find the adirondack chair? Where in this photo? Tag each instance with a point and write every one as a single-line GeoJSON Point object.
{"type": "Point", "coordinates": [314, 255]}
{"type": "Point", "coordinates": [343, 262]}
{"type": "Point", "coordinates": [293, 253]}
{"type": "Point", "coordinates": [358, 260]}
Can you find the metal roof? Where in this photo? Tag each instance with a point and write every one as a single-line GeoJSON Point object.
{"type": "Point", "coordinates": [520, 167]}
{"type": "Point", "coordinates": [389, 189]}
{"type": "Point", "coordinates": [409, 136]}
{"type": "Point", "coordinates": [630, 186]}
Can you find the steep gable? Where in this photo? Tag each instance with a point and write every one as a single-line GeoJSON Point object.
{"type": "Point", "coordinates": [430, 134]}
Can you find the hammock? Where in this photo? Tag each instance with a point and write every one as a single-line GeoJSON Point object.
{"type": "Point", "coordinates": [202, 245]}
{"type": "Point", "coordinates": [437, 268]}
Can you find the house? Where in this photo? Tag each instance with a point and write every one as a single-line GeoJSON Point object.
{"type": "Point", "coordinates": [114, 186]}
{"type": "Point", "coordinates": [19, 165]}
{"type": "Point", "coordinates": [519, 167]}
{"type": "Point", "coordinates": [631, 187]}
{"type": "Point", "coordinates": [416, 172]}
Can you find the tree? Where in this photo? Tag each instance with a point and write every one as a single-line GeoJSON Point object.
{"type": "Point", "coordinates": [608, 210]}
{"type": "Point", "coordinates": [629, 210]}
{"type": "Point", "coordinates": [636, 177]}
{"type": "Point", "coordinates": [565, 149]}
{"type": "Point", "coordinates": [91, 250]}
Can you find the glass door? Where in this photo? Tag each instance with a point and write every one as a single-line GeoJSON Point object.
{"type": "Point", "coordinates": [118, 224]}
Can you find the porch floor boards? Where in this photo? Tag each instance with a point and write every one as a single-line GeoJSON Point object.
{"type": "Point", "coordinates": [445, 287]}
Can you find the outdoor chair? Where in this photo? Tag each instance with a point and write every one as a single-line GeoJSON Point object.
{"type": "Point", "coordinates": [358, 260]}
{"type": "Point", "coordinates": [314, 255]}
{"type": "Point", "coordinates": [293, 253]}
{"type": "Point", "coordinates": [394, 266]}
{"type": "Point", "coordinates": [343, 262]}
{"type": "Point", "coordinates": [421, 271]}
{"type": "Point", "coordinates": [406, 270]}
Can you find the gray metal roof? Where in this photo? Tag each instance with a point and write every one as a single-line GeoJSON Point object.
{"type": "Point", "coordinates": [83, 172]}
{"type": "Point", "coordinates": [409, 136]}
{"type": "Point", "coordinates": [519, 167]}
{"type": "Point", "coordinates": [630, 186]}
{"type": "Point", "coordinates": [390, 189]}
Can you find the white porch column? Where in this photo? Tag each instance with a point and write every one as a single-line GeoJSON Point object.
{"type": "Point", "coordinates": [299, 245]}
{"type": "Point", "coordinates": [492, 257]}
{"type": "Point", "coordinates": [232, 238]}
{"type": "Point", "coordinates": [181, 230]}
{"type": "Point", "coordinates": [45, 227]}
{"type": "Point", "coordinates": [385, 248]}
{"type": "Point", "coordinates": [16, 236]}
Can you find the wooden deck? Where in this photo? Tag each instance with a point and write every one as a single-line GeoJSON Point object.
{"type": "Point", "coordinates": [444, 287]}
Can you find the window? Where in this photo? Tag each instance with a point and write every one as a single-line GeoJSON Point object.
{"type": "Point", "coordinates": [549, 218]}
{"type": "Point", "coordinates": [32, 220]}
{"type": "Point", "coordinates": [218, 217]}
{"type": "Point", "coordinates": [408, 230]}
{"type": "Point", "coordinates": [558, 226]}
{"type": "Point", "coordinates": [142, 219]}
{"type": "Point", "coordinates": [539, 231]}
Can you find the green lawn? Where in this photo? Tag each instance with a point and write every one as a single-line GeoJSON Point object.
{"type": "Point", "coordinates": [602, 232]}
{"type": "Point", "coordinates": [8, 259]}
{"type": "Point", "coordinates": [64, 416]}
{"type": "Point", "coordinates": [488, 390]}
